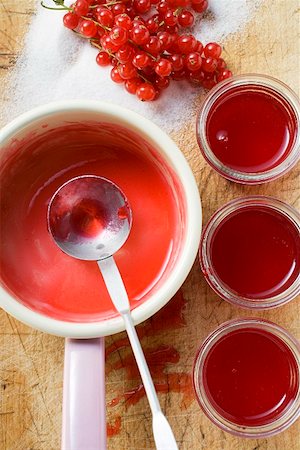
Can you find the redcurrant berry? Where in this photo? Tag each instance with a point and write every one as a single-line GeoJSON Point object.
{"type": "Point", "coordinates": [105, 17]}
{"type": "Point", "coordinates": [193, 61]}
{"type": "Point", "coordinates": [209, 64]}
{"type": "Point", "coordinates": [141, 60]}
{"type": "Point", "coordinates": [127, 71]}
{"type": "Point", "coordinates": [115, 76]}
{"type": "Point", "coordinates": [186, 18]}
{"type": "Point", "coordinates": [140, 35]}
{"type": "Point", "coordinates": [81, 8]}
{"type": "Point", "coordinates": [224, 74]}
{"type": "Point", "coordinates": [163, 68]}
{"type": "Point", "coordinates": [142, 6]}
{"type": "Point", "coordinates": [132, 85]}
{"type": "Point", "coordinates": [124, 21]}
{"type": "Point", "coordinates": [88, 28]}
{"type": "Point", "coordinates": [118, 35]}
{"type": "Point", "coordinates": [103, 59]}
{"type": "Point", "coordinates": [146, 92]}
{"type": "Point", "coordinates": [70, 20]}
{"type": "Point", "coordinates": [186, 43]}
{"type": "Point", "coordinates": [212, 50]}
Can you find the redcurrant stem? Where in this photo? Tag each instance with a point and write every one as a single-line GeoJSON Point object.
{"type": "Point", "coordinates": [64, 8]}
{"type": "Point", "coordinates": [94, 44]}
{"type": "Point", "coordinates": [143, 78]}
{"type": "Point", "coordinates": [81, 35]}
{"type": "Point", "coordinates": [140, 48]}
{"type": "Point", "coordinates": [97, 23]}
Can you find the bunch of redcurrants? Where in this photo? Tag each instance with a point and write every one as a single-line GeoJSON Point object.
{"type": "Point", "coordinates": [143, 42]}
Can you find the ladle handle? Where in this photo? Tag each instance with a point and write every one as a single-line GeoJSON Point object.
{"type": "Point", "coordinates": [84, 423]}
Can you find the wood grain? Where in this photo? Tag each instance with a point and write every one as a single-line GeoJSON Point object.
{"type": "Point", "coordinates": [32, 363]}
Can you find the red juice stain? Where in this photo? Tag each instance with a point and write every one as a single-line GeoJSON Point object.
{"type": "Point", "coordinates": [255, 251]}
{"type": "Point", "coordinates": [250, 377]}
{"type": "Point", "coordinates": [251, 130]}
{"type": "Point", "coordinates": [115, 428]}
{"type": "Point", "coordinates": [159, 358]}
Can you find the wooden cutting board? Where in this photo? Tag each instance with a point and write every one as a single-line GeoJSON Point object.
{"type": "Point", "coordinates": [31, 366]}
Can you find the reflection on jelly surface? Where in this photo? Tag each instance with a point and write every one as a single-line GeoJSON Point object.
{"type": "Point", "coordinates": [255, 251]}
{"type": "Point", "coordinates": [251, 131]}
{"type": "Point", "coordinates": [32, 266]}
{"type": "Point", "coordinates": [250, 377]}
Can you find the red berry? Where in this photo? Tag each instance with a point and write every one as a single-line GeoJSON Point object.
{"type": "Point", "coordinates": [125, 53]}
{"type": "Point", "coordinates": [170, 18]}
{"type": "Point", "coordinates": [165, 40]}
{"type": "Point", "coordinates": [162, 7]}
{"type": "Point", "coordinates": [153, 46]}
{"type": "Point", "coordinates": [141, 60]}
{"type": "Point", "coordinates": [124, 21]}
{"type": "Point", "coordinates": [179, 75]}
{"type": "Point", "coordinates": [183, 3]}
{"type": "Point", "coordinates": [221, 64]}
{"type": "Point", "coordinates": [142, 6]}
{"type": "Point", "coordinates": [224, 74]}
{"type": "Point", "coordinates": [107, 44]}
{"type": "Point", "coordinates": [70, 20]}
{"type": "Point", "coordinates": [186, 43]}
{"type": "Point", "coordinates": [118, 35]}
{"type": "Point", "coordinates": [209, 64]}
{"type": "Point", "coordinates": [103, 59]}
{"type": "Point", "coordinates": [209, 81]}
{"type": "Point", "coordinates": [162, 82]}
{"type": "Point", "coordinates": [212, 50]}
{"type": "Point", "coordinates": [127, 71]}
{"type": "Point", "coordinates": [163, 68]}
{"type": "Point", "coordinates": [196, 77]}
{"type": "Point", "coordinates": [88, 28]}
{"type": "Point", "coordinates": [199, 47]}
{"type": "Point", "coordinates": [118, 8]}
{"type": "Point", "coordinates": [177, 62]}
{"type": "Point", "coordinates": [146, 92]}
{"type": "Point", "coordinates": [105, 17]}
{"type": "Point", "coordinates": [115, 76]}
{"type": "Point", "coordinates": [132, 85]}
{"type": "Point", "coordinates": [193, 61]}
{"type": "Point", "coordinates": [81, 8]}
{"type": "Point", "coordinates": [199, 6]}
{"type": "Point", "coordinates": [140, 35]}
{"type": "Point", "coordinates": [186, 18]}
{"type": "Point", "coordinates": [153, 24]}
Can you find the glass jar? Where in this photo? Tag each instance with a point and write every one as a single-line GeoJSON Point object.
{"type": "Point", "coordinates": [256, 386]}
{"type": "Point", "coordinates": [248, 124]}
{"type": "Point", "coordinates": [237, 282]}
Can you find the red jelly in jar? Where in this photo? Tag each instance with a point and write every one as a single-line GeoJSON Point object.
{"type": "Point", "coordinates": [248, 129]}
{"type": "Point", "coordinates": [246, 378]}
{"type": "Point", "coordinates": [250, 252]}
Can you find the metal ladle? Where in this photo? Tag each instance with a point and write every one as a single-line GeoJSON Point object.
{"type": "Point", "coordinates": [90, 219]}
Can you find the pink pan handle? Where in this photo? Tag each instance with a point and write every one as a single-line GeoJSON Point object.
{"type": "Point", "coordinates": [84, 423]}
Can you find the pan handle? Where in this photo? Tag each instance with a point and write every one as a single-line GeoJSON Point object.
{"type": "Point", "coordinates": [84, 422]}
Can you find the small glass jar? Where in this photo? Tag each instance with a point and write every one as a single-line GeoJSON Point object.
{"type": "Point", "coordinates": [262, 383]}
{"type": "Point", "coordinates": [234, 258]}
{"type": "Point", "coordinates": [250, 127]}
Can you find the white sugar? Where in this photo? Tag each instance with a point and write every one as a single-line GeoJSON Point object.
{"type": "Point", "coordinates": [57, 65]}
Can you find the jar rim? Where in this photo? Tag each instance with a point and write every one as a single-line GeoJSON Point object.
{"type": "Point", "coordinates": [210, 273]}
{"type": "Point", "coordinates": [280, 424]}
{"type": "Point", "coordinates": [237, 176]}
